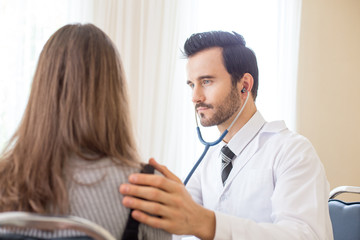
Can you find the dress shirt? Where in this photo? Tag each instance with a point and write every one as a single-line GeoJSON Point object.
{"type": "Point", "coordinates": [277, 188]}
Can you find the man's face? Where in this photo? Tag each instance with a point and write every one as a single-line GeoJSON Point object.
{"type": "Point", "coordinates": [216, 100]}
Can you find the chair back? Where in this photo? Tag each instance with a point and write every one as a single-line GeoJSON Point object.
{"type": "Point", "coordinates": [24, 220]}
{"type": "Point", "coordinates": [345, 216]}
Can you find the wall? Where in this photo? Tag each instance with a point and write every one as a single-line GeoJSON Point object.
{"type": "Point", "coordinates": [328, 94]}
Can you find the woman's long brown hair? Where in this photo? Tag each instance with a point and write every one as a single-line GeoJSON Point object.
{"type": "Point", "coordinates": [78, 105]}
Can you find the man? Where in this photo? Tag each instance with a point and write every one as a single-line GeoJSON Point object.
{"type": "Point", "coordinates": [270, 185]}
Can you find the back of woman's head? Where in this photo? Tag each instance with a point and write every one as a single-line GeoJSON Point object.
{"type": "Point", "coordinates": [78, 105]}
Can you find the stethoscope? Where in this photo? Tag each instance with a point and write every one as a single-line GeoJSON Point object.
{"type": "Point", "coordinates": [209, 144]}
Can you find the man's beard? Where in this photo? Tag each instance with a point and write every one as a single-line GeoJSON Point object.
{"type": "Point", "coordinates": [224, 111]}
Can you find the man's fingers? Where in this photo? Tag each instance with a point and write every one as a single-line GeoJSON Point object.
{"type": "Point", "coordinates": [152, 208]}
{"type": "Point", "coordinates": [152, 221]}
{"type": "Point", "coordinates": [148, 193]}
{"type": "Point", "coordinates": [164, 170]}
{"type": "Point", "coordinates": [164, 223]}
{"type": "Point", "coordinates": [155, 181]}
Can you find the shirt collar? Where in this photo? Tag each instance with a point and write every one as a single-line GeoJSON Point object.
{"type": "Point", "coordinates": [240, 140]}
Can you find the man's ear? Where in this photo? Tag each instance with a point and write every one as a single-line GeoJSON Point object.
{"type": "Point", "coordinates": [247, 82]}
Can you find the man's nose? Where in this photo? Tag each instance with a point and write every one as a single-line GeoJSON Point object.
{"type": "Point", "coordinates": [198, 95]}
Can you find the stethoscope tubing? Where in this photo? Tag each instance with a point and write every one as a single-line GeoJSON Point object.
{"type": "Point", "coordinates": [209, 144]}
{"type": "Point", "coordinates": [196, 164]}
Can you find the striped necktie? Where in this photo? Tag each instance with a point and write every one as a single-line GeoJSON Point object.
{"type": "Point", "coordinates": [226, 156]}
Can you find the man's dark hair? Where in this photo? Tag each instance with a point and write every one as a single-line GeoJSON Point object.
{"type": "Point", "coordinates": [238, 59]}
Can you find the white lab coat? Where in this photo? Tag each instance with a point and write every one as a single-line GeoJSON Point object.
{"type": "Point", "coordinates": [277, 188]}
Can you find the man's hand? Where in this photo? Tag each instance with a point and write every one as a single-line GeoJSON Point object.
{"type": "Point", "coordinates": [166, 204]}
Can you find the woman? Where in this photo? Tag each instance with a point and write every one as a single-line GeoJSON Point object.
{"type": "Point", "coordinates": [74, 146]}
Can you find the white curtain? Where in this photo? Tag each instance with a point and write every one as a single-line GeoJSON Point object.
{"type": "Point", "coordinates": [288, 53]}
{"type": "Point", "coordinates": [25, 27]}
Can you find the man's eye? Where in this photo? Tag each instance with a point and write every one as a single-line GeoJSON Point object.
{"type": "Point", "coordinates": [191, 85]}
{"type": "Point", "coordinates": [205, 82]}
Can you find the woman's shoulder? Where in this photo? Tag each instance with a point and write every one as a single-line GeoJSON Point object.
{"type": "Point", "coordinates": [99, 170]}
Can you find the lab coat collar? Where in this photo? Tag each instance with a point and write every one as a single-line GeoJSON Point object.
{"type": "Point", "coordinates": [274, 127]}
{"type": "Point", "coordinates": [241, 139]}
